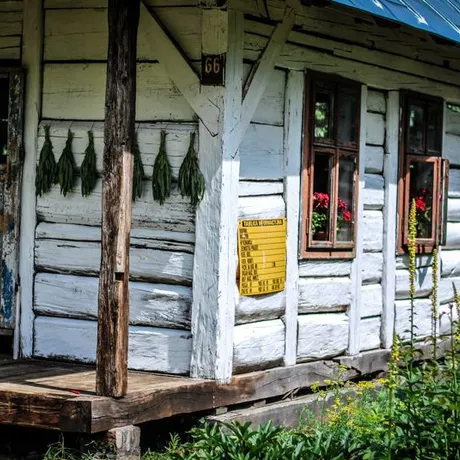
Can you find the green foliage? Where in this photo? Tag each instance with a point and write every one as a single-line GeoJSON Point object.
{"type": "Point", "coordinates": [161, 181]}
{"type": "Point", "coordinates": [138, 173]}
{"type": "Point", "coordinates": [88, 170]}
{"type": "Point", "coordinates": [66, 167]}
{"type": "Point", "coordinates": [191, 181]}
{"type": "Point", "coordinates": [46, 168]}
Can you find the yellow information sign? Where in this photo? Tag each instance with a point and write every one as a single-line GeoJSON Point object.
{"type": "Point", "coordinates": [262, 256]}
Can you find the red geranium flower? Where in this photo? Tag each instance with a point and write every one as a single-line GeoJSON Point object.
{"type": "Point", "coordinates": [420, 204]}
{"type": "Point", "coordinates": [320, 200]}
{"type": "Point", "coordinates": [347, 216]}
{"type": "Point", "coordinates": [342, 205]}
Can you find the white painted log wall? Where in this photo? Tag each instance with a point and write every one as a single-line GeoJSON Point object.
{"type": "Point", "coordinates": [150, 349]}
{"type": "Point", "coordinates": [11, 23]}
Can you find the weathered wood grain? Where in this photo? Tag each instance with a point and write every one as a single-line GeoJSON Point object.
{"type": "Point", "coordinates": [76, 91]}
{"type": "Point", "coordinates": [258, 345]}
{"type": "Point", "coordinates": [322, 336]}
{"type": "Point", "coordinates": [370, 333]}
{"type": "Point", "coordinates": [150, 349]}
{"type": "Point", "coordinates": [175, 215]}
{"type": "Point", "coordinates": [10, 47]}
{"type": "Point", "coordinates": [371, 300]}
{"type": "Point", "coordinates": [324, 294]}
{"type": "Point", "coordinates": [69, 296]}
{"type": "Point", "coordinates": [260, 308]}
{"type": "Point", "coordinates": [81, 257]}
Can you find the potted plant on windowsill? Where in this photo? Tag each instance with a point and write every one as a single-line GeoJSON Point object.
{"type": "Point", "coordinates": [320, 216]}
{"type": "Point", "coordinates": [423, 210]}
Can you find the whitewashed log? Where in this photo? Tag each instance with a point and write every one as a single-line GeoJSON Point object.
{"type": "Point", "coordinates": [84, 258]}
{"type": "Point", "coordinates": [354, 314]}
{"type": "Point", "coordinates": [376, 101]}
{"type": "Point", "coordinates": [260, 308]}
{"type": "Point", "coordinates": [374, 159]}
{"type": "Point", "coordinates": [324, 268]}
{"type": "Point", "coordinates": [454, 183]}
{"type": "Point", "coordinates": [159, 305]}
{"type": "Point", "coordinates": [322, 336]}
{"type": "Point", "coordinates": [447, 316]}
{"type": "Point", "coordinates": [292, 164]}
{"type": "Point", "coordinates": [216, 261]}
{"type": "Point", "coordinates": [422, 318]}
{"type": "Point", "coordinates": [390, 174]}
{"type": "Point", "coordinates": [150, 349]}
{"type": "Point", "coordinates": [258, 345]}
{"type": "Point", "coordinates": [261, 153]}
{"type": "Point", "coordinates": [371, 300]}
{"type": "Point", "coordinates": [373, 196]}
{"type": "Point", "coordinates": [375, 134]}
{"type": "Point", "coordinates": [140, 237]}
{"type": "Point", "coordinates": [450, 263]}
{"type": "Point", "coordinates": [256, 188]}
{"type": "Point", "coordinates": [453, 209]}
{"type": "Point", "coordinates": [370, 333]}
{"type": "Point", "coordinates": [452, 149]}
{"type": "Point", "coordinates": [148, 135]}
{"type": "Point", "coordinates": [372, 230]}
{"type": "Point", "coordinates": [81, 33]}
{"type": "Point", "coordinates": [32, 60]}
{"type": "Point", "coordinates": [77, 91]}
{"type": "Point", "coordinates": [354, 62]}
{"type": "Point", "coordinates": [270, 110]}
{"type": "Point", "coordinates": [446, 290]}
{"type": "Point", "coordinates": [452, 122]}
{"type": "Point", "coordinates": [10, 47]}
{"type": "Point", "coordinates": [324, 294]}
{"type": "Point", "coordinates": [176, 214]}
{"type": "Point", "coordinates": [423, 283]}
{"type": "Point", "coordinates": [453, 235]}
{"type": "Point", "coordinates": [372, 267]}
{"type": "Point", "coordinates": [421, 260]}
{"type": "Point", "coordinates": [263, 207]}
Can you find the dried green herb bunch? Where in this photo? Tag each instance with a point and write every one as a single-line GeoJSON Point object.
{"type": "Point", "coordinates": [66, 167]}
{"type": "Point", "coordinates": [161, 180]}
{"type": "Point", "coordinates": [191, 181]}
{"type": "Point", "coordinates": [46, 168]}
{"type": "Point", "coordinates": [88, 170]}
{"type": "Point", "coordinates": [138, 172]}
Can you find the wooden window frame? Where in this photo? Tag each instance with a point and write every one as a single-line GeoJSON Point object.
{"type": "Point", "coordinates": [313, 249]}
{"type": "Point", "coordinates": [440, 176]}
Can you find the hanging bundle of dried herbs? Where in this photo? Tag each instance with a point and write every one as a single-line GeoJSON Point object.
{"type": "Point", "coordinates": [46, 168]}
{"type": "Point", "coordinates": [161, 181]}
{"type": "Point", "coordinates": [66, 166]}
{"type": "Point", "coordinates": [191, 181]}
{"type": "Point", "coordinates": [88, 170]}
{"type": "Point", "coordinates": [138, 173]}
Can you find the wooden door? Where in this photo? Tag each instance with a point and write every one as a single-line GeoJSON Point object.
{"type": "Point", "coordinates": [11, 156]}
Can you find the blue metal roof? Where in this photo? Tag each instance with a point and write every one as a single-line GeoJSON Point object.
{"type": "Point", "coordinates": [439, 17]}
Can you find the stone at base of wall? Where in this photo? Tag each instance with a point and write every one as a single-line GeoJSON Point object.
{"type": "Point", "coordinates": [124, 443]}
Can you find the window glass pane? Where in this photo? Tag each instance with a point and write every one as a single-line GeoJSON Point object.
{"type": "Point", "coordinates": [321, 198]}
{"type": "Point", "coordinates": [421, 190]}
{"type": "Point", "coordinates": [347, 129]}
{"type": "Point", "coordinates": [415, 138]}
{"type": "Point", "coordinates": [324, 103]}
{"type": "Point", "coordinates": [434, 129]}
{"type": "Point", "coordinates": [345, 206]}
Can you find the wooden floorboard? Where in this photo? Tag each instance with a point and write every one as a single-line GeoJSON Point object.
{"type": "Point", "coordinates": [62, 396]}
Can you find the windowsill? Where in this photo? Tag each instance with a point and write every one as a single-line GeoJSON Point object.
{"type": "Point", "coordinates": [327, 255]}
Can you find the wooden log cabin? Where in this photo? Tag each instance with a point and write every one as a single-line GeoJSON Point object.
{"type": "Point", "coordinates": [332, 116]}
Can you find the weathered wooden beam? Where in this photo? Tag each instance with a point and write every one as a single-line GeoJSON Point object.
{"type": "Point", "coordinates": [119, 133]}
{"type": "Point", "coordinates": [178, 68]}
{"type": "Point", "coordinates": [32, 40]}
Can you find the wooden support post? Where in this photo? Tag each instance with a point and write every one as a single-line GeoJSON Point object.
{"type": "Point", "coordinates": [119, 133]}
{"type": "Point", "coordinates": [32, 50]}
{"type": "Point", "coordinates": [292, 169]}
{"type": "Point", "coordinates": [354, 314]}
{"type": "Point", "coordinates": [214, 273]}
{"type": "Point", "coordinates": [390, 173]}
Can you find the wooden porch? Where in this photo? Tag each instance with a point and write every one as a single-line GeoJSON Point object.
{"type": "Point", "coordinates": [61, 396]}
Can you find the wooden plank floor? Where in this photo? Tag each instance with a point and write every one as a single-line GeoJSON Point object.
{"type": "Point", "coordinates": [62, 396]}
